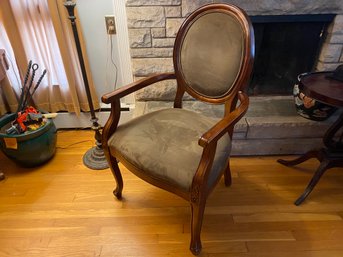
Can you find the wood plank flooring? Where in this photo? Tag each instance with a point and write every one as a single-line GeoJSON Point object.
{"type": "Point", "coordinates": [65, 209]}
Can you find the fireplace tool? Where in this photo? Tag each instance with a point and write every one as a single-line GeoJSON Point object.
{"type": "Point", "coordinates": [94, 158]}
{"type": "Point", "coordinates": [27, 117]}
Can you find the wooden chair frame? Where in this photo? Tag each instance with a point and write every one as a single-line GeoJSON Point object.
{"type": "Point", "coordinates": [199, 191]}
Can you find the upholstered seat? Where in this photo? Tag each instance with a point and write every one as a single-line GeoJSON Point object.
{"type": "Point", "coordinates": [154, 141]}
{"type": "Point", "coordinates": [178, 150]}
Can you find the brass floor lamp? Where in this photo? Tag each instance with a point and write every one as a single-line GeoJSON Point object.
{"type": "Point", "coordinates": [94, 158]}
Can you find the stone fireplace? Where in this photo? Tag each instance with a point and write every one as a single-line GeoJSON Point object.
{"type": "Point", "coordinates": [153, 25]}
{"type": "Point", "coordinates": [271, 125]}
{"type": "Point", "coordinates": [285, 46]}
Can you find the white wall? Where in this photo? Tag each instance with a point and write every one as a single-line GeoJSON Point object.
{"type": "Point", "coordinates": [92, 17]}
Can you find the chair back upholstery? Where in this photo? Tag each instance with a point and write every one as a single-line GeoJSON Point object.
{"type": "Point", "coordinates": [212, 52]}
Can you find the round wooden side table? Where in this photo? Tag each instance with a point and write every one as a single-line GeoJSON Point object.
{"type": "Point", "coordinates": [322, 87]}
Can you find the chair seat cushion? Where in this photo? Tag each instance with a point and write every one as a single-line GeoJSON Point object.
{"type": "Point", "coordinates": [164, 144]}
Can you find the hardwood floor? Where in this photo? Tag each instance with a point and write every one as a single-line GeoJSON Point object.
{"type": "Point", "coordinates": [65, 209]}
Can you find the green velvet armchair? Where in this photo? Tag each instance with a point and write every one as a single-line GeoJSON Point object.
{"type": "Point", "coordinates": [178, 150]}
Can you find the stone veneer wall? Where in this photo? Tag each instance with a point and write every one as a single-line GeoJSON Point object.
{"type": "Point", "coordinates": [153, 25]}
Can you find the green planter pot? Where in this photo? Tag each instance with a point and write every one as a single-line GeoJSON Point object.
{"type": "Point", "coordinates": [32, 148]}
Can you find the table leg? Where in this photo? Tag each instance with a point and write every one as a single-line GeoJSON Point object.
{"type": "Point", "coordinates": [309, 155]}
{"type": "Point", "coordinates": [329, 157]}
{"type": "Point", "coordinates": [324, 165]}
{"type": "Point", "coordinates": [328, 140]}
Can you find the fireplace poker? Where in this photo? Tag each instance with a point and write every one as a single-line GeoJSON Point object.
{"type": "Point", "coordinates": [23, 87]}
{"type": "Point", "coordinates": [34, 69]}
{"type": "Point", "coordinates": [35, 88]}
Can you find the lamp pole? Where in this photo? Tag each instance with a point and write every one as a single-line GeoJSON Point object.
{"type": "Point", "coordinates": [94, 158]}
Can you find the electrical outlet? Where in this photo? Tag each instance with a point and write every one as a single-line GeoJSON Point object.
{"type": "Point", "coordinates": [110, 24]}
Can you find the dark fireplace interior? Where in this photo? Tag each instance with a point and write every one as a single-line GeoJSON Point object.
{"type": "Point", "coordinates": [285, 46]}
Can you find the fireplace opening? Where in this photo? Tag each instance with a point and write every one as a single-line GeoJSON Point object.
{"type": "Point", "coordinates": [285, 46]}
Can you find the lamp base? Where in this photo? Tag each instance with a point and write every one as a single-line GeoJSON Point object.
{"type": "Point", "coordinates": [95, 159]}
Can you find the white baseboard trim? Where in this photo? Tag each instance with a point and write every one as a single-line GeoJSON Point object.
{"type": "Point", "coordinates": [71, 120]}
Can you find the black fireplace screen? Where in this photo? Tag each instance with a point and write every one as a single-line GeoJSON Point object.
{"type": "Point", "coordinates": [285, 46]}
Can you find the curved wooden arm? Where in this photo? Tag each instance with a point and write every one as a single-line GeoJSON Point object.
{"type": "Point", "coordinates": [224, 125]}
{"type": "Point", "coordinates": [134, 86]}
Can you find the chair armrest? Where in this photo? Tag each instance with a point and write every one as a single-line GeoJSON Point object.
{"type": "Point", "coordinates": [134, 86]}
{"type": "Point", "coordinates": [224, 125]}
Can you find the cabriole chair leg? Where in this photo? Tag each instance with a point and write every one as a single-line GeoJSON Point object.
{"type": "Point", "coordinates": [196, 224]}
{"type": "Point", "coordinates": [227, 174]}
{"type": "Point", "coordinates": [117, 176]}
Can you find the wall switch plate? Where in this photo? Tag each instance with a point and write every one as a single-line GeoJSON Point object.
{"type": "Point", "coordinates": [110, 24]}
